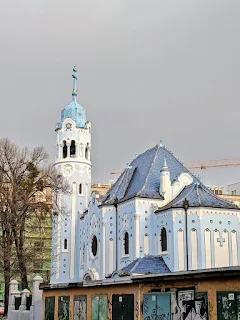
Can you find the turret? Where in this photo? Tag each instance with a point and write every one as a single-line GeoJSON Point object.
{"type": "Point", "coordinates": [165, 183]}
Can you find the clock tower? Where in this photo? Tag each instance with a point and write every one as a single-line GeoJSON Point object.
{"type": "Point", "coordinates": [73, 161]}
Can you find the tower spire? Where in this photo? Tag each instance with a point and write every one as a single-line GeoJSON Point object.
{"type": "Point", "coordinates": [74, 91]}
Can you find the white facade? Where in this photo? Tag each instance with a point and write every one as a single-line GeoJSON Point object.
{"type": "Point", "coordinates": [142, 214]}
{"type": "Point", "coordinates": [73, 161]}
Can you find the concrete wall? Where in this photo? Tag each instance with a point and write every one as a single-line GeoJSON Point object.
{"type": "Point", "coordinates": [35, 310]}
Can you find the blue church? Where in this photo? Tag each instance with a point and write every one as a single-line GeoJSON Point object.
{"type": "Point", "coordinates": [157, 217]}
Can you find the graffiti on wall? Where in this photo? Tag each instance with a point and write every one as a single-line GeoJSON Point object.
{"type": "Point", "coordinates": [156, 306]}
{"type": "Point", "coordinates": [80, 308]}
{"type": "Point", "coordinates": [238, 305]}
{"type": "Point", "coordinates": [188, 304]}
{"type": "Point", "coordinates": [63, 307]}
{"type": "Point", "coordinates": [228, 305]}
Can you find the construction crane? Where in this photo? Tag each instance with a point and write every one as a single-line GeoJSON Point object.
{"type": "Point", "coordinates": [204, 164]}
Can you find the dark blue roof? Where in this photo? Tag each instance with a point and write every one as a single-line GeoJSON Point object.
{"type": "Point", "coordinates": [142, 177]}
{"type": "Point", "coordinates": [147, 264]}
{"type": "Point", "coordinates": [198, 196]}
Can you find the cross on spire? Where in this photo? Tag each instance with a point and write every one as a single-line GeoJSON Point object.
{"type": "Point", "coordinates": [74, 91]}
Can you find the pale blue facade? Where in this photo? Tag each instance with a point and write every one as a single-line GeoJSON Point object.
{"type": "Point", "coordinates": [141, 220]}
{"type": "Point", "coordinates": [73, 161]}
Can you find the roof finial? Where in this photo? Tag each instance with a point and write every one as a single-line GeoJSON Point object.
{"type": "Point", "coordinates": [128, 166]}
{"type": "Point", "coordinates": [165, 166]}
{"type": "Point", "coordinates": [74, 91]}
{"type": "Point", "coordinates": [198, 179]}
{"type": "Point", "coordinates": [165, 162]}
{"type": "Point", "coordinates": [161, 144]}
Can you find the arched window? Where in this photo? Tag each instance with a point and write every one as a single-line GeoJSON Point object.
{"type": "Point", "coordinates": [72, 148]}
{"type": "Point", "coordinates": [87, 152]}
{"type": "Point", "coordinates": [94, 246]}
{"type": "Point", "coordinates": [65, 244]}
{"type": "Point", "coordinates": [64, 149]}
{"type": "Point", "coordinates": [126, 243]}
{"type": "Point", "coordinates": [163, 240]}
{"type": "Point", "coordinates": [80, 188]}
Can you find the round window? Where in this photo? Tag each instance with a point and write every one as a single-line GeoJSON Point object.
{"type": "Point", "coordinates": [94, 245]}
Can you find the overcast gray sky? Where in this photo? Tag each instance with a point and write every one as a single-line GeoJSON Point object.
{"type": "Point", "coordinates": [148, 70]}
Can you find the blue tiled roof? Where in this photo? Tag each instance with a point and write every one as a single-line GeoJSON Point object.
{"type": "Point", "coordinates": [74, 111]}
{"type": "Point", "coordinates": [147, 264]}
{"type": "Point", "coordinates": [198, 196]}
{"type": "Point", "coordinates": [142, 177]}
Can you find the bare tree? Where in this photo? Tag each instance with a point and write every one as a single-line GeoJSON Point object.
{"type": "Point", "coordinates": [6, 242]}
{"type": "Point", "coordinates": [24, 174]}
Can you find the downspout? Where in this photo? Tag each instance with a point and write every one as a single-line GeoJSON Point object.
{"type": "Point", "coordinates": [186, 223]}
{"type": "Point", "coordinates": [186, 232]}
{"type": "Point", "coordinates": [116, 249]}
{"type": "Point", "coordinates": [185, 207]}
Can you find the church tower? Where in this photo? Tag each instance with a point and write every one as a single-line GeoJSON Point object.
{"type": "Point", "coordinates": [73, 161]}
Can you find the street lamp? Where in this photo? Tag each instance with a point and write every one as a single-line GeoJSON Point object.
{"type": "Point", "coordinates": [185, 207]}
{"type": "Point", "coordinates": [116, 208]}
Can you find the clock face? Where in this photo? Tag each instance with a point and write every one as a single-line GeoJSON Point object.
{"type": "Point", "coordinates": [67, 170]}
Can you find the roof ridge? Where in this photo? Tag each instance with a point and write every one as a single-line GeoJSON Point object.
{"type": "Point", "coordinates": [198, 195]}
{"type": "Point", "coordinates": [126, 177]}
{"type": "Point", "coordinates": [214, 195]}
{"type": "Point", "coordinates": [142, 154]}
{"type": "Point", "coordinates": [191, 186]}
{"type": "Point", "coordinates": [168, 205]}
{"type": "Point", "coordinates": [129, 183]}
{"type": "Point", "coordinates": [191, 189]}
{"type": "Point", "coordinates": [181, 163]}
{"type": "Point", "coordinates": [136, 264]}
{"type": "Point", "coordinates": [148, 174]}
{"type": "Point", "coordinates": [123, 176]}
{"type": "Point", "coordinates": [120, 179]}
{"type": "Point", "coordinates": [194, 190]}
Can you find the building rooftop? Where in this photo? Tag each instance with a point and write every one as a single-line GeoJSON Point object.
{"type": "Point", "coordinates": [145, 265]}
{"type": "Point", "coordinates": [198, 196]}
{"type": "Point", "coordinates": [74, 111]}
{"type": "Point", "coordinates": [142, 177]}
{"type": "Point", "coordinates": [217, 273]}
